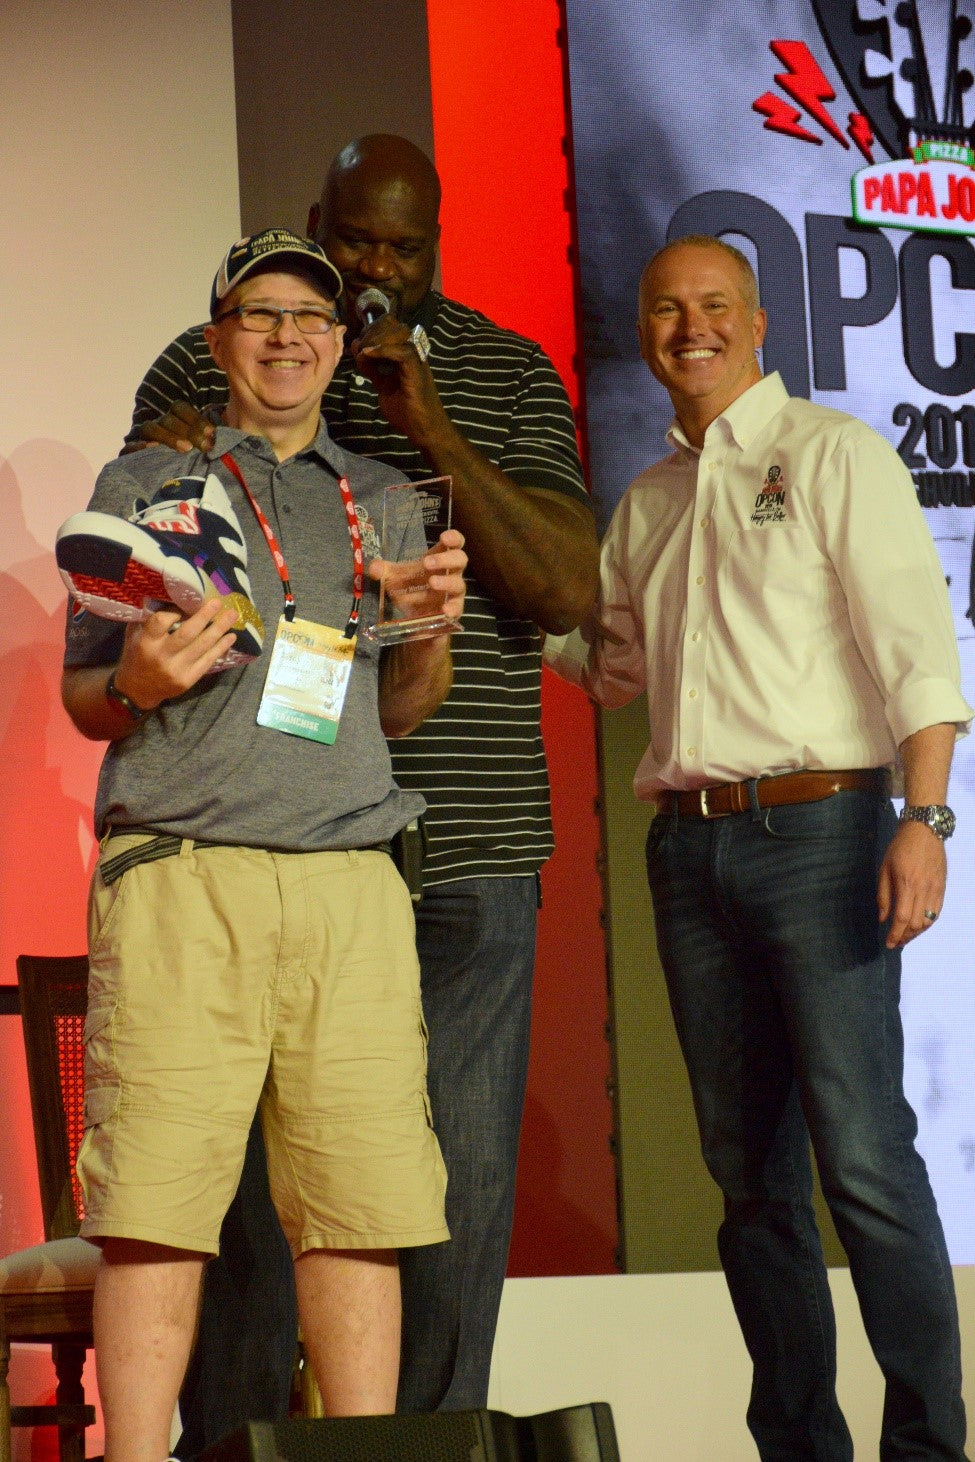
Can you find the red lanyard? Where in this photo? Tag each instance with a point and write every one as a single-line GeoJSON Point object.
{"type": "Point", "coordinates": [358, 578]}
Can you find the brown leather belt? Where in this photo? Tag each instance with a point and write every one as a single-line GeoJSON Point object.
{"type": "Point", "coordinates": [791, 787]}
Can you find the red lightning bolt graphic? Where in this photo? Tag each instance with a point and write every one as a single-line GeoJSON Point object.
{"type": "Point", "coordinates": [859, 130]}
{"type": "Point", "coordinates": [806, 84]}
{"type": "Point", "coordinates": [782, 118]}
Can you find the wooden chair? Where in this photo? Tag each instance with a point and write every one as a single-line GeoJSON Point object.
{"type": "Point", "coordinates": [46, 1291]}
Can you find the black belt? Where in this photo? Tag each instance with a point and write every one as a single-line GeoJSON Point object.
{"type": "Point", "coordinates": [166, 845]}
{"type": "Point", "coordinates": [783, 791]}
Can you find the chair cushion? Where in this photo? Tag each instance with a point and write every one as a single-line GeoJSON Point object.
{"type": "Point", "coordinates": [61, 1264]}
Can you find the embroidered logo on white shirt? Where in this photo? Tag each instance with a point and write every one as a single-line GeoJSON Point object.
{"type": "Point", "coordinates": [770, 503]}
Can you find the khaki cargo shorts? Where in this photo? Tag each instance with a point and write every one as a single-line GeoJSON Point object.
{"type": "Point", "coordinates": [225, 980]}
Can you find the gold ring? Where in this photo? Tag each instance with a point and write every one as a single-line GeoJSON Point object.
{"type": "Point", "coordinates": [930, 915]}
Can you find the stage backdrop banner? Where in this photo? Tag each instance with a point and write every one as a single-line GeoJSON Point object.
{"type": "Point", "coordinates": [831, 141]}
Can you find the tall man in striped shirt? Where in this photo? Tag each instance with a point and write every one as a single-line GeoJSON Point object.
{"type": "Point", "coordinates": [486, 407]}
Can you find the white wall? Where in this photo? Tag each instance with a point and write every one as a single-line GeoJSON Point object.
{"type": "Point", "coordinates": [118, 196]}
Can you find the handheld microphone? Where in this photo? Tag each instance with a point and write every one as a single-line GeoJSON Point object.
{"type": "Point", "coordinates": [371, 305]}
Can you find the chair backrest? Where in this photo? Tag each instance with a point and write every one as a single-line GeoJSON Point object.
{"type": "Point", "coordinates": [53, 1002]}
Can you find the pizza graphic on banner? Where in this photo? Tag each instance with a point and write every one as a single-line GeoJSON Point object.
{"type": "Point", "coordinates": [910, 70]}
{"type": "Point", "coordinates": [905, 65]}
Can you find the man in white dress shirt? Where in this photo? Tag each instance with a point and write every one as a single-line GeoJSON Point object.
{"type": "Point", "coordinates": [772, 587]}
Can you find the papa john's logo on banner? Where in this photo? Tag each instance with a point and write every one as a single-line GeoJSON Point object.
{"type": "Point", "coordinates": [910, 69]}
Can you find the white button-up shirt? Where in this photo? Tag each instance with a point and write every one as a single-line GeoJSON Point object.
{"type": "Point", "coordinates": [778, 596]}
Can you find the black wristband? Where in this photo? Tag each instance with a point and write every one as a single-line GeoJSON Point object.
{"type": "Point", "coordinates": [119, 698]}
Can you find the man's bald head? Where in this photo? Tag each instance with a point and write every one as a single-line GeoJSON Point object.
{"type": "Point", "coordinates": [382, 160]}
{"type": "Point", "coordinates": [378, 220]}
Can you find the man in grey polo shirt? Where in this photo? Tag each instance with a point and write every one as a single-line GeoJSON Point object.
{"type": "Point", "coordinates": [251, 942]}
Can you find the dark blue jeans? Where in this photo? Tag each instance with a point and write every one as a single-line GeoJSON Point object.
{"type": "Point", "coordinates": [476, 942]}
{"type": "Point", "coordinates": [786, 1004]}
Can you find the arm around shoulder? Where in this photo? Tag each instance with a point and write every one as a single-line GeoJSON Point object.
{"type": "Point", "coordinates": [184, 375]}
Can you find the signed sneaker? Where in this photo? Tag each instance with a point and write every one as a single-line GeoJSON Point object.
{"type": "Point", "coordinates": [181, 549]}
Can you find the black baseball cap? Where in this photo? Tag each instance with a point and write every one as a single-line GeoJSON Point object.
{"type": "Point", "coordinates": [280, 247]}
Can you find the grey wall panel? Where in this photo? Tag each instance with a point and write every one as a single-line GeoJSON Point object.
{"type": "Point", "coordinates": [311, 75]}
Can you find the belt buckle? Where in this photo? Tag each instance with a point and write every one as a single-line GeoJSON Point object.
{"type": "Point", "coordinates": [704, 802]}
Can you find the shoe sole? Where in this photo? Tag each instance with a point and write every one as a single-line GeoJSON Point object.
{"type": "Point", "coordinates": [118, 571]}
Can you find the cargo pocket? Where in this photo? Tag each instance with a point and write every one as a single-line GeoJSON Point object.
{"type": "Point", "coordinates": [94, 1161]}
{"type": "Point", "coordinates": [99, 1042]}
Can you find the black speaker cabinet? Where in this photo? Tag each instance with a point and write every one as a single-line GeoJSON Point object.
{"type": "Point", "coordinates": [573, 1434]}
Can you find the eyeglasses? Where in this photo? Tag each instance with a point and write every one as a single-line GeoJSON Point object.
{"type": "Point", "coordinates": [262, 319]}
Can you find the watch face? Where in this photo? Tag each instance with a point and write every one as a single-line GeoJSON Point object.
{"type": "Point", "coordinates": [943, 821]}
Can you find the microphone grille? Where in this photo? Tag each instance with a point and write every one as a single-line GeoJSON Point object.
{"type": "Point", "coordinates": [372, 299]}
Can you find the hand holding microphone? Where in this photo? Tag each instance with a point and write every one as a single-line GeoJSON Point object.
{"type": "Point", "coordinates": [371, 305]}
{"type": "Point", "coordinates": [393, 358]}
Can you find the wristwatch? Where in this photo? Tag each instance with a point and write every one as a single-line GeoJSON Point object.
{"type": "Point", "coordinates": [119, 698]}
{"type": "Point", "coordinates": [940, 819]}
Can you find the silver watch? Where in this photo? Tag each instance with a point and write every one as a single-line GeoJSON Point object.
{"type": "Point", "coordinates": [940, 819]}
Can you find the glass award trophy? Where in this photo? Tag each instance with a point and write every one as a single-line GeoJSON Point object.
{"type": "Point", "coordinates": [407, 507]}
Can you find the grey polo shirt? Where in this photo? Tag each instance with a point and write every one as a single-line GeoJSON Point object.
{"type": "Point", "coordinates": [200, 766]}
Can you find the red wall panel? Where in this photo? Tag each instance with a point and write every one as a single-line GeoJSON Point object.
{"type": "Point", "coordinates": [499, 122]}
